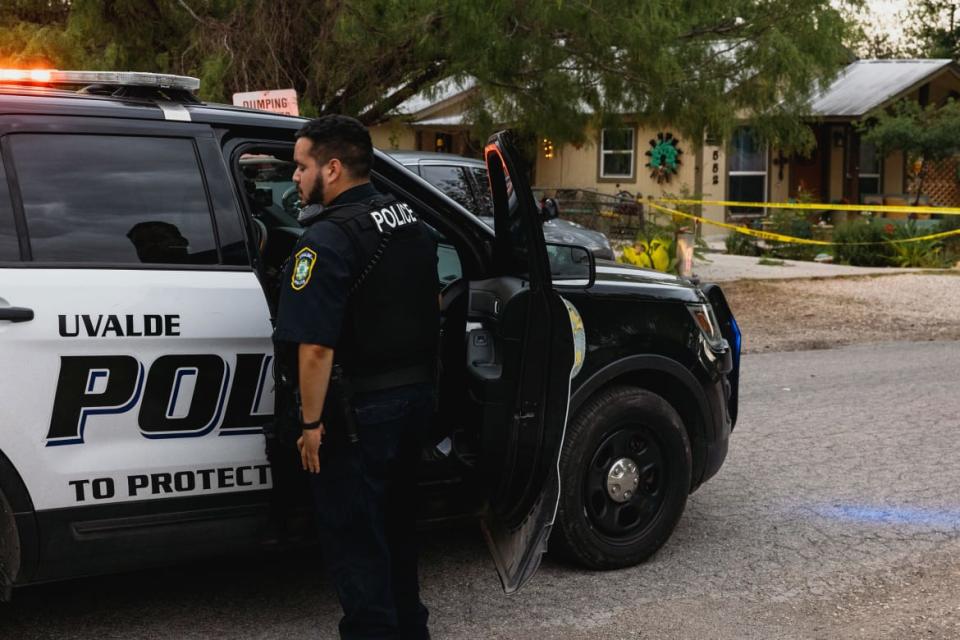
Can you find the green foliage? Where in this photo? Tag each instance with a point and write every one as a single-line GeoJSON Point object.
{"type": "Point", "coordinates": [886, 251]}
{"type": "Point", "coordinates": [793, 223]}
{"type": "Point", "coordinates": [931, 132]}
{"type": "Point", "coordinates": [951, 244]}
{"type": "Point", "coordinates": [549, 67]}
{"type": "Point", "coordinates": [769, 262]}
{"type": "Point", "coordinates": [933, 29]}
{"type": "Point", "coordinates": [927, 134]}
{"type": "Point", "coordinates": [921, 253]}
{"type": "Point", "coordinates": [880, 254]}
{"type": "Point", "coordinates": [740, 244]}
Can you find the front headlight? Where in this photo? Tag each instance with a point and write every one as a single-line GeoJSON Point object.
{"type": "Point", "coordinates": [706, 321]}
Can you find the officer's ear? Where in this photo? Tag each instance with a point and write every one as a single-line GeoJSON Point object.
{"type": "Point", "coordinates": [333, 169]}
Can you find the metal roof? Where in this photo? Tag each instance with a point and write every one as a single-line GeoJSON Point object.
{"type": "Point", "coordinates": [434, 95]}
{"type": "Point", "coordinates": [867, 84]}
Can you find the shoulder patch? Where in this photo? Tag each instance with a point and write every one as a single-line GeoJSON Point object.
{"type": "Point", "coordinates": [303, 263]}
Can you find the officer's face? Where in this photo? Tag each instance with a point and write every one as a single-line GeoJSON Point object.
{"type": "Point", "coordinates": [311, 175]}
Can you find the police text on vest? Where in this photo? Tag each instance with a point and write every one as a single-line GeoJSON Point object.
{"type": "Point", "coordinates": [396, 215]}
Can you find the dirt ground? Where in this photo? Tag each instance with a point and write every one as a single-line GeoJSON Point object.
{"type": "Point", "coordinates": [794, 315]}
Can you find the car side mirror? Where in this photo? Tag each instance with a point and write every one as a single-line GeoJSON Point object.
{"type": "Point", "coordinates": [549, 210]}
{"type": "Point", "coordinates": [571, 264]}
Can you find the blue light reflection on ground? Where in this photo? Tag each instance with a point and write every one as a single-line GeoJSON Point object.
{"type": "Point", "coordinates": [891, 514]}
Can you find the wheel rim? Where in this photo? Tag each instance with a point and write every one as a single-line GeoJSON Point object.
{"type": "Point", "coordinates": [628, 461]}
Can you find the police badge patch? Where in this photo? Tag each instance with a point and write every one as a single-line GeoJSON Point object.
{"type": "Point", "coordinates": [303, 263]}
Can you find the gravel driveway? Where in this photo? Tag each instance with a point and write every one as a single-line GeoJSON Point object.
{"type": "Point", "coordinates": [794, 315]}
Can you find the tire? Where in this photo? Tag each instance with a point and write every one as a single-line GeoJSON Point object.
{"type": "Point", "coordinates": [595, 530]}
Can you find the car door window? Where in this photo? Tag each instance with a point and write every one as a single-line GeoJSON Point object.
{"type": "Point", "coordinates": [452, 181]}
{"type": "Point", "coordinates": [449, 268]}
{"type": "Point", "coordinates": [482, 184]}
{"type": "Point", "coordinates": [114, 199]}
{"type": "Point", "coordinates": [268, 183]}
{"type": "Point", "coordinates": [9, 245]}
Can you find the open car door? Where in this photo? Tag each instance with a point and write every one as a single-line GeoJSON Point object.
{"type": "Point", "coordinates": [520, 356]}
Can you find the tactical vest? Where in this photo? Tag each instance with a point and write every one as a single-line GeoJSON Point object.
{"type": "Point", "coordinates": [391, 323]}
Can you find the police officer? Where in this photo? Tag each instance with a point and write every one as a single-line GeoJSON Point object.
{"type": "Point", "coordinates": [359, 301]}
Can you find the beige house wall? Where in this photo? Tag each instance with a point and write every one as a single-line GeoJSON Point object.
{"type": "Point", "coordinates": [578, 167]}
{"type": "Point", "coordinates": [575, 167]}
{"type": "Point", "coordinates": [714, 159]}
{"type": "Point", "coordinates": [893, 173]}
{"type": "Point", "coordinates": [778, 188]}
{"type": "Point", "coordinates": [393, 136]}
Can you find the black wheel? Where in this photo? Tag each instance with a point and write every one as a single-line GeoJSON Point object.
{"type": "Point", "coordinates": [625, 473]}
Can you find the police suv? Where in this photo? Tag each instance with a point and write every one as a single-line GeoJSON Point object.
{"type": "Point", "coordinates": [142, 233]}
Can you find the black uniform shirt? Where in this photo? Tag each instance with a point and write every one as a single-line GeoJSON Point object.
{"type": "Point", "coordinates": [317, 280]}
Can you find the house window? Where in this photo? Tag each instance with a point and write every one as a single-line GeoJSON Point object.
{"type": "Point", "coordinates": [870, 163]}
{"type": "Point", "coordinates": [616, 153]}
{"type": "Point", "coordinates": [747, 171]}
{"type": "Point", "coordinates": [443, 143]}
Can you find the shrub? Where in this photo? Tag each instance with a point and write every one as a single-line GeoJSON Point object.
{"type": "Point", "coordinates": [951, 244]}
{"type": "Point", "coordinates": [740, 244]}
{"type": "Point", "coordinates": [881, 254]}
{"type": "Point", "coordinates": [922, 253]}
{"type": "Point", "coordinates": [793, 223]}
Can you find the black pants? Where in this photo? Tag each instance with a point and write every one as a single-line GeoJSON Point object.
{"type": "Point", "coordinates": [365, 496]}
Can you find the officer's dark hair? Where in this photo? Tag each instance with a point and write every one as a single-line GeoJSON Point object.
{"type": "Point", "coordinates": [340, 137]}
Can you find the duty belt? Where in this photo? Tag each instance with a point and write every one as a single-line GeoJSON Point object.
{"type": "Point", "coordinates": [394, 378]}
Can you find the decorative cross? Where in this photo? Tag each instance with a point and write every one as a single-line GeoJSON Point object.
{"type": "Point", "coordinates": [780, 160]}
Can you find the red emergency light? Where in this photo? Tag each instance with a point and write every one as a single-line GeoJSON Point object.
{"type": "Point", "coordinates": [19, 76]}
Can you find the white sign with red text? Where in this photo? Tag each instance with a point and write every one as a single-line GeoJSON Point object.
{"type": "Point", "coordinates": [282, 101]}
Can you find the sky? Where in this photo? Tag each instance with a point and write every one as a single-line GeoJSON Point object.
{"type": "Point", "coordinates": [886, 16]}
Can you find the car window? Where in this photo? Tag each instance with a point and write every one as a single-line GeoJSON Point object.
{"type": "Point", "coordinates": [9, 246]}
{"type": "Point", "coordinates": [113, 199]}
{"type": "Point", "coordinates": [482, 184]}
{"type": "Point", "coordinates": [449, 268]}
{"type": "Point", "coordinates": [268, 183]}
{"type": "Point", "coordinates": [452, 181]}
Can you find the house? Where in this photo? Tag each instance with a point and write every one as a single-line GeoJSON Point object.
{"type": "Point", "coordinates": [433, 120]}
{"type": "Point", "coordinates": [841, 168]}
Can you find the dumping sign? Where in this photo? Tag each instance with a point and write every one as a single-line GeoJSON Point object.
{"type": "Point", "coordinates": [283, 101]}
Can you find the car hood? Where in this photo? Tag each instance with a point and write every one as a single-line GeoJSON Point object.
{"type": "Point", "coordinates": [614, 275]}
{"type": "Point", "coordinates": [566, 232]}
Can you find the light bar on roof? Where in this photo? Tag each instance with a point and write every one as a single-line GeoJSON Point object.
{"type": "Point", "coordinates": [113, 78]}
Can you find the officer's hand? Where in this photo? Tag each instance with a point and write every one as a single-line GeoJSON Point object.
{"type": "Point", "coordinates": [309, 446]}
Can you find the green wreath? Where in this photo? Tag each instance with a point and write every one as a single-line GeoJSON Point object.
{"type": "Point", "coordinates": [664, 157]}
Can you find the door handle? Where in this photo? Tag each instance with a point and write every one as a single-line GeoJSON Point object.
{"type": "Point", "coordinates": [16, 314]}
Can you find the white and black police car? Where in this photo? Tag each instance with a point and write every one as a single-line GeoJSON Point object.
{"type": "Point", "coordinates": [141, 236]}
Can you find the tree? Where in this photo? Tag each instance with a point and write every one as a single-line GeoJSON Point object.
{"type": "Point", "coordinates": [550, 67]}
{"type": "Point", "coordinates": [32, 33]}
{"type": "Point", "coordinates": [934, 29]}
{"type": "Point", "coordinates": [925, 134]}
{"type": "Point", "coordinates": [872, 38]}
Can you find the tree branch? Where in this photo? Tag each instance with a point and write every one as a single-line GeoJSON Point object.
{"type": "Point", "coordinates": [378, 112]}
{"type": "Point", "coordinates": [183, 4]}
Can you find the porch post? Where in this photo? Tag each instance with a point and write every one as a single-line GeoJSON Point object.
{"type": "Point", "coordinates": [851, 190]}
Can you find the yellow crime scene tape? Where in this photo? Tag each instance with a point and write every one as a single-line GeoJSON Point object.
{"type": "Point", "coordinates": [875, 208]}
{"type": "Point", "coordinates": [769, 235]}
